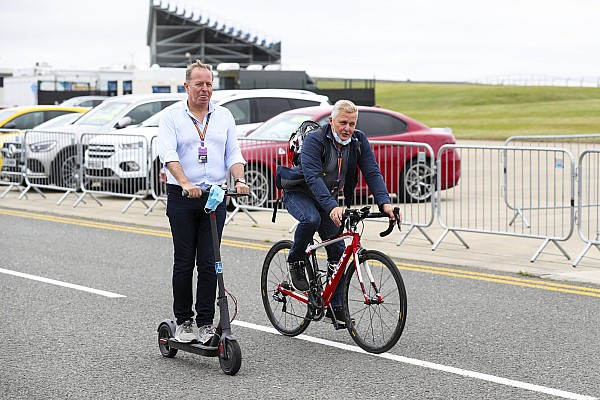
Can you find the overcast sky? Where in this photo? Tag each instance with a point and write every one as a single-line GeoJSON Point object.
{"type": "Point", "coordinates": [432, 40]}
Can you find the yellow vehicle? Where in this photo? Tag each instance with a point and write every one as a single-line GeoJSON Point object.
{"type": "Point", "coordinates": [13, 119]}
{"type": "Point", "coordinates": [28, 117]}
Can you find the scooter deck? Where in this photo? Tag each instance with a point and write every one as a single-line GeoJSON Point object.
{"type": "Point", "coordinates": [196, 348]}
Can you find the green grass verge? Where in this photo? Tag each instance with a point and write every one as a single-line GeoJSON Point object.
{"type": "Point", "coordinates": [486, 112]}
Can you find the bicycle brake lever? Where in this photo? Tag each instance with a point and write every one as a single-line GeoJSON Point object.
{"type": "Point", "coordinates": [398, 218]}
{"type": "Point", "coordinates": [390, 227]}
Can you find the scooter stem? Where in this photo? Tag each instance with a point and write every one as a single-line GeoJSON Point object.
{"type": "Point", "coordinates": [222, 297]}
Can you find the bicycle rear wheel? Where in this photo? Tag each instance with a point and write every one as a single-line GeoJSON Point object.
{"type": "Point", "coordinates": [288, 315]}
{"type": "Point", "coordinates": [376, 328]}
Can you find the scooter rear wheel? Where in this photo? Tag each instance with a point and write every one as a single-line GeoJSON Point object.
{"type": "Point", "coordinates": [164, 334]}
{"type": "Point", "coordinates": [232, 364]}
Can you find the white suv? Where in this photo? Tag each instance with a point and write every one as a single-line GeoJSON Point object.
{"type": "Point", "coordinates": [124, 163]}
{"type": "Point", "coordinates": [250, 108]}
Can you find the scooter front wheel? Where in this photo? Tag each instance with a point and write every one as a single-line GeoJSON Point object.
{"type": "Point", "coordinates": [230, 358]}
{"type": "Point", "coordinates": [164, 334]}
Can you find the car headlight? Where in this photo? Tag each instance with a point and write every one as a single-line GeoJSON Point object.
{"type": "Point", "coordinates": [132, 146]}
{"type": "Point", "coordinates": [42, 146]}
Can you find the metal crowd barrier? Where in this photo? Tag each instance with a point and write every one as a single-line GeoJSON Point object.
{"type": "Point", "coordinates": [10, 157]}
{"type": "Point", "coordinates": [588, 201]}
{"type": "Point", "coordinates": [536, 183]}
{"type": "Point", "coordinates": [497, 183]}
{"type": "Point", "coordinates": [575, 144]}
{"type": "Point", "coordinates": [158, 181]}
{"type": "Point", "coordinates": [409, 171]}
{"type": "Point", "coordinates": [116, 164]}
{"type": "Point", "coordinates": [45, 159]}
{"type": "Point", "coordinates": [399, 162]}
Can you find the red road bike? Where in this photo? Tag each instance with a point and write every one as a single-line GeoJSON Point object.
{"type": "Point", "coordinates": [374, 297]}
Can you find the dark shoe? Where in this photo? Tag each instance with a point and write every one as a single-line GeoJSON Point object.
{"type": "Point", "coordinates": [299, 276]}
{"type": "Point", "coordinates": [339, 316]}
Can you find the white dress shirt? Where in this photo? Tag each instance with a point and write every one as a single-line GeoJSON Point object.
{"type": "Point", "coordinates": [178, 140]}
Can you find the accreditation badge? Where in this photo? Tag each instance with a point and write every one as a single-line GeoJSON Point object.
{"type": "Point", "coordinates": [202, 153]}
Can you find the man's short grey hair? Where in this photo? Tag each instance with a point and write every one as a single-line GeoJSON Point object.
{"type": "Point", "coordinates": [197, 64]}
{"type": "Point", "coordinates": [344, 105]}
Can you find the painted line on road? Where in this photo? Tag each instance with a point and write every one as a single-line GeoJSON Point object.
{"type": "Point", "coordinates": [534, 283]}
{"type": "Point", "coordinates": [427, 364]}
{"type": "Point", "coordinates": [59, 283]}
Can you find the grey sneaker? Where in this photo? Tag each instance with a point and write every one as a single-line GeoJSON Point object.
{"type": "Point", "coordinates": [205, 334]}
{"type": "Point", "coordinates": [184, 332]}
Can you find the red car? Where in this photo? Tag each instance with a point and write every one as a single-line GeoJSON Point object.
{"type": "Point", "coordinates": [407, 170]}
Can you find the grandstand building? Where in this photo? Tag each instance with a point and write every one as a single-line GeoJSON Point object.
{"type": "Point", "coordinates": [177, 36]}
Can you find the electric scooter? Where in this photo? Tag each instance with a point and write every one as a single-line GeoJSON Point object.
{"type": "Point", "coordinates": [223, 344]}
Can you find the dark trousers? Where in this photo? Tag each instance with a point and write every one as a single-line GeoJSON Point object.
{"type": "Point", "coordinates": [312, 218]}
{"type": "Point", "coordinates": [193, 247]}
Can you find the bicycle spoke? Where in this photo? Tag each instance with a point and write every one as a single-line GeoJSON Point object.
{"type": "Point", "coordinates": [287, 314]}
{"type": "Point", "coordinates": [376, 327]}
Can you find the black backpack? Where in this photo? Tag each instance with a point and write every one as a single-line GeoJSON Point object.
{"type": "Point", "coordinates": [297, 139]}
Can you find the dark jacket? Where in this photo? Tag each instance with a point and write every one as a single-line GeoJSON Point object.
{"type": "Point", "coordinates": [315, 148]}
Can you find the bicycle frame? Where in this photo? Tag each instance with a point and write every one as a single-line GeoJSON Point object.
{"type": "Point", "coordinates": [352, 250]}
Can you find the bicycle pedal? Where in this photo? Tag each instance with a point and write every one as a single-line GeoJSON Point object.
{"type": "Point", "coordinates": [339, 325]}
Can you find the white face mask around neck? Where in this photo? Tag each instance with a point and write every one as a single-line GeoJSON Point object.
{"type": "Point", "coordinates": [338, 139]}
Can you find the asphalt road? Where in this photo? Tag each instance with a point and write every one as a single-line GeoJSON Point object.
{"type": "Point", "coordinates": [470, 334]}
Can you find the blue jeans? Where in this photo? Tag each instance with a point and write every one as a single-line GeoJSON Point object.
{"type": "Point", "coordinates": [193, 247]}
{"type": "Point", "coordinates": [312, 218]}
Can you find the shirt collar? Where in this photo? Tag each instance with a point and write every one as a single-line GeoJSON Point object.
{"type": "Point", "coordinates": [211, 108]}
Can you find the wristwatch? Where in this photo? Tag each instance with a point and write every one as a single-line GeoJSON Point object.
{"type": "Point", "coordinates": [240, 180]}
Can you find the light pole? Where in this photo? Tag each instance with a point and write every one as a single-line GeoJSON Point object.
{"type": "Point", "coordinates": [188, 55]}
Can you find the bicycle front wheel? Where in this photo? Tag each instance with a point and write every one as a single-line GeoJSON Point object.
{"type": "Point", "coordinates": [288, 315]}
{"type": "Point", "coordinates": [375, 327]}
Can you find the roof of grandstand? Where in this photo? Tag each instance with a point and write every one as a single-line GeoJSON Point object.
{"type": "Point", "coordinates": [177, 36]}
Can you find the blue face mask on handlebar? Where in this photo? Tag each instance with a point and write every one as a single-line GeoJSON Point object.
{"type": "Point", "coordinates": [215, 197]}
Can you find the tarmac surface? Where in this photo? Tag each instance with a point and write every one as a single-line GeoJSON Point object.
{"type": "Point", "coordinates": [508, 254]}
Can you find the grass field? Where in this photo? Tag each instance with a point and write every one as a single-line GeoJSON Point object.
{"type": "Point", "coordinates": [495, 112]}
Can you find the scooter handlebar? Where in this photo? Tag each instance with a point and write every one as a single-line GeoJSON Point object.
{"type": "Point", "coordinates": [230, 193]}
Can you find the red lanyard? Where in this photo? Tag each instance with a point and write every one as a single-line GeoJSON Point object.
{"type": "Point", "coordinates": [202, 134]}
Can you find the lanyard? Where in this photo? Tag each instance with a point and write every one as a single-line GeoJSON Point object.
{"type": "Point", "coordinates": [339, 177]}
{"type": "Point", "coordinates": [202, 134]}
{"type": "Point", "coordinates": [336, 183]}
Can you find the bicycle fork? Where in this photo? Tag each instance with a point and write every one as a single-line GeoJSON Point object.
{"type": "Point", "coordinates": [377, 298]}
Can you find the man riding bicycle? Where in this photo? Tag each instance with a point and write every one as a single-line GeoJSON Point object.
{"type": "Point", "coordinates": [328, 164]}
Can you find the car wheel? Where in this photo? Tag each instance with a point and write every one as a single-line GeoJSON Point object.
{"type": "Point", "coordinates": [259, 179]}
{"type": "Point", "coordinates": [67, 169]}
{"type": "Point", "coordinates": [417, 181]}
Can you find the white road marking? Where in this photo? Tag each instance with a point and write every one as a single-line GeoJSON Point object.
{"type": "Point", "coordinates": [430, 365]}
{"type": "Point", "coordinates": [59, 283]}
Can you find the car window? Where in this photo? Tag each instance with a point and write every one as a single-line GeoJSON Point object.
{"type": "Point", "coordinates": [54, 114]}
{"type": "Point", "coordinates": [380, 124]}
{"type": "Point", "coordinates": [166, 103]}
{"type": "Point", "coordinates": [89, 103]}
{"type": "Point", "coordinates": [102, 114]}
{"type": "Point", "coordinates": [268, 107]}
{"type": "Point", "coordinates": [27, 121]}
{"type": "Point", "coordinates": [299, 103]}
{"type": "Point", "coordinates": [240, 109]}
{"type": "Point", "coordinates": [323, 120]}
{"type": "Point", "coordinates": [142, 112]}
{"type": "Point", "coordinates": [279, 127]}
